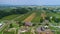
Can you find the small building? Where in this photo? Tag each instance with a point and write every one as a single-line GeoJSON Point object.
{"type": "Point", "coordinates": [1, 24]}
{"type": "Point", "coordinates": [28, 24]}
{"type": "Point", "coordinates": [46, 26]}
{"type": "Point", "coordinates": [51, 17]}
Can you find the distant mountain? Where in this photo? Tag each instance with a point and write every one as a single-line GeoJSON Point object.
{"type": "Point", "coordinates": [7, 5]}
{"type": "Point", "coordinates": [51, 5]}
{"type": "Point", "coordinates": [16, 5]}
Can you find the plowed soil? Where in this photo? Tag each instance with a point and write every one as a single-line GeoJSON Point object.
{"type": "Point", "coordinates": [28, 19]}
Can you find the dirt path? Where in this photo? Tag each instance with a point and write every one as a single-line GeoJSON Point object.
{"type": "Point", "coordinates": [28, 19]}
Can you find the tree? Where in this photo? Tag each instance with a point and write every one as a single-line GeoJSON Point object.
{"type": "Point", "coordinates": [19, 11]}
{"type": "Point", "coordinates": [30, 8]}
{"type": "Point", "coordinates": [41, 20]}
{"type": "Point", "coordinates": [11, 26]}
{"type": "Point", "coordinates": [57, 20]}
{"type": "Point", "coordinates": [20, 23]}
{"type": "Point", "coordinates": [45, 9]}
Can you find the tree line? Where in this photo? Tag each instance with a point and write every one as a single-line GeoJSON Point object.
{"type": "Point", "coordinates": [13, 11]}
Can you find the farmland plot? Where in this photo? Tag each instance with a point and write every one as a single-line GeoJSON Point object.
{"type": "Point", "coordinates": [28, 19]}
{"type": "Point", "coordinates": [10, 17]}
{"type": "Point", "coordinates": [37, 17]}
{"type": "Point", "coordinates": [24, 16]}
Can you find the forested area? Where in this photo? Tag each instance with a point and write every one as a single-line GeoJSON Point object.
{"type": "Point", "coordinates": [4, 13]}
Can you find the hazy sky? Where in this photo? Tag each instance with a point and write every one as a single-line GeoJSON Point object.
{"type": "Point", "coordinates": [30, 2]}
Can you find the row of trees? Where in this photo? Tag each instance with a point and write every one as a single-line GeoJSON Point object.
{"type": "Point", "coordinates": [13, 11]}
{"type": "Point", "coordinates": [56, 20]}
{"type": "Point", "coordinates": [50, 10]}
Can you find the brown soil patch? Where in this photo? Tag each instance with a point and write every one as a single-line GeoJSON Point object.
{"type": "Point", "coordinates": [28, 19]}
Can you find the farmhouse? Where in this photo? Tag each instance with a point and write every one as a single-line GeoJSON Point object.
{"type": "Point", "coordinates": [43, 30]}
{"type": "Point", "coordinates": [28, 24]}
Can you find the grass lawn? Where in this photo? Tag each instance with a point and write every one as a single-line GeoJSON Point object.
{"type": "Point", "coordinates": [10, 17]}
{"type": "Point", "coordinates": [8, 32]}
{"type": "Point", "coordinates": [56, 30]}
{"type": "Point", "coordinates": [37, 17]}
{"type": "Point", "coordinates": [24, 16]}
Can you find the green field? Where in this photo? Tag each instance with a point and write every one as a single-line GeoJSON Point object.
{"type": "Point", "coordinates": [15, 18]}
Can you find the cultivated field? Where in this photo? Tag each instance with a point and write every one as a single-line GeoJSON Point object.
{"type": "Point", "coordinates": [15, 21]}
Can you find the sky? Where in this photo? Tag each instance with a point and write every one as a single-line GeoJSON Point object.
{"type": "Point", "coordinates": [30, 2]}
